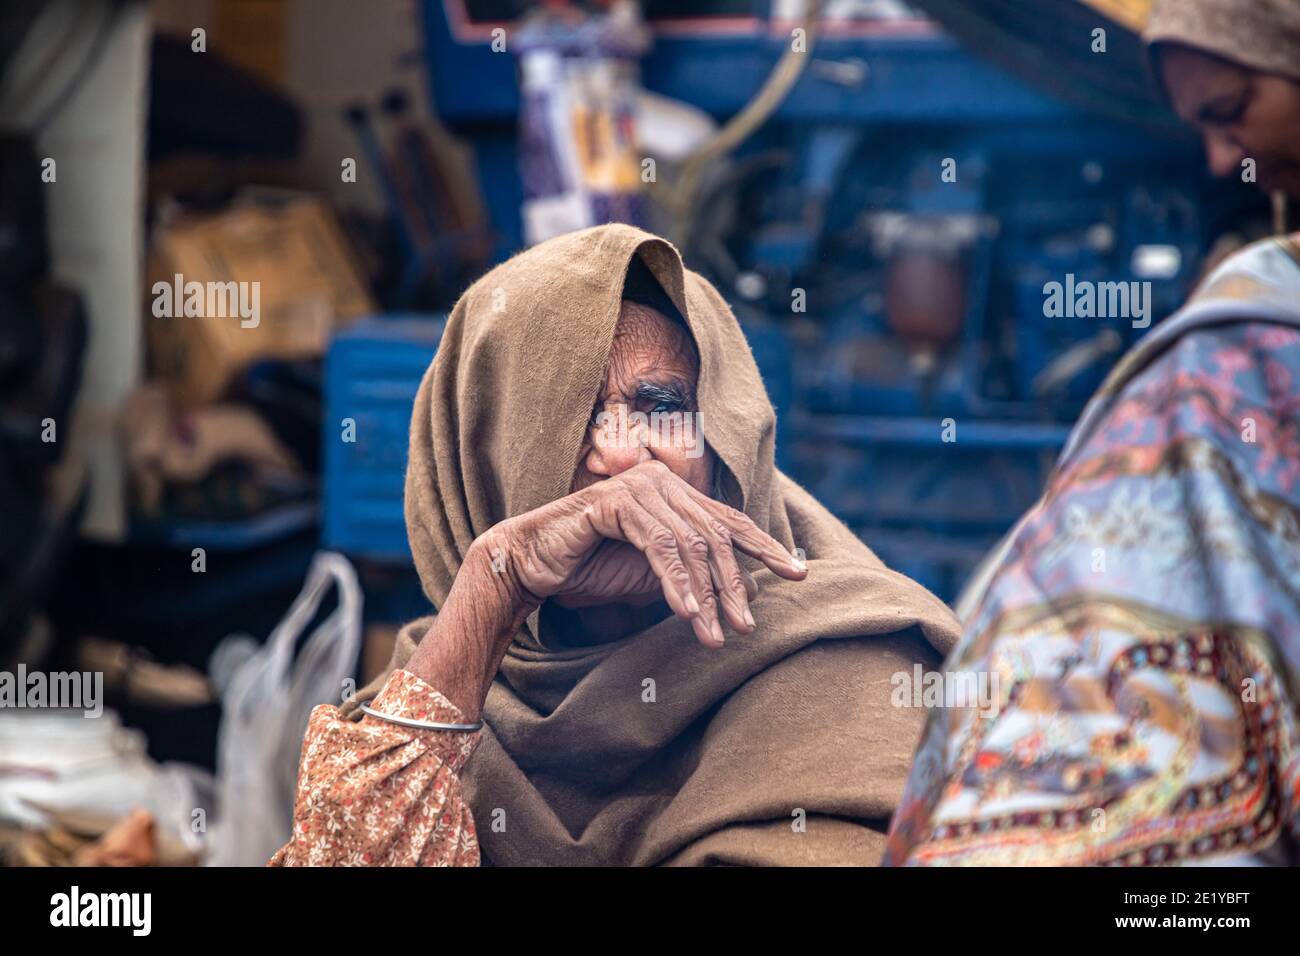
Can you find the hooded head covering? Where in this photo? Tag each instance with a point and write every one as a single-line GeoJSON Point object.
{"type": "Point", "coordinates": [1261, 35]}
{"type": "Point", "coordinates": [782, 747]}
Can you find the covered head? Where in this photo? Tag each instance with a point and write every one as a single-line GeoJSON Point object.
{"type": "Point", "coordinates": [1262, 35]}
{"type": "Point", "coordinates": [504, 412]}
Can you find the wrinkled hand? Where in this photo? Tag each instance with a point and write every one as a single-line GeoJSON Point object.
{"type": "Point", "coordinates": [643, 532]}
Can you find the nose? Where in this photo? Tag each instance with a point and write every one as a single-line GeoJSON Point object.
{"type": "Point", "coordinates": [1223, 154]}
{"type": "Point", "coordinates": [617, 444]}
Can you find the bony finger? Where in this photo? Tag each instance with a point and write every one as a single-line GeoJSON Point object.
{"type": "Point", "coordinates": [690, 548]}
{"type": "Point", "coordinates": [756, 543]}
{"type": "Point", "coordinates": [788, 564]}
{"type": "Point", "coordinates": [676, 583]}
{"type": "Point", "coordinates": [659, 546]}
{"type": "Point", "coordinates": [708, 616]}
{"type": "Point", "coordinates": [712, 538]}
{"type": "Point", "coordinates": [708, 632]}
{"type": "Point", "coordinates": [672, 567]}
{"type": "Point", "coordinates": [695, 553]}
{"type": "Point", "coordinates": [732, 595]}
{"type": "Point", "coordinates": [678, 604]}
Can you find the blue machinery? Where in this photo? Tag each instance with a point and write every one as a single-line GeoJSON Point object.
{"type": "Point", "coordinates": [840, 195]}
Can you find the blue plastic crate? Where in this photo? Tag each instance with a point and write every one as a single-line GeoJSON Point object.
{"type": "Point", "coordinates": [372, 373]}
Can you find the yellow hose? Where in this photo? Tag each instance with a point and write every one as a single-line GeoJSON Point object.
{"type": "Point", "coordinates": [736, 130]}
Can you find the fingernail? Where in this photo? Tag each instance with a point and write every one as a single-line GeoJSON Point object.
{"type": "Point", "coordinates": [798, 564]}
{"type": "Point", "coordinates": [749, 618]}
{"type": "Point", "coordinates": [717, 633]}
{"type": "Point", "coordinates": [692, 605]}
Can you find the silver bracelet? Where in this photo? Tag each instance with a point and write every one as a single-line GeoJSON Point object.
{"type": "Point", "coordinates": [422, 724]}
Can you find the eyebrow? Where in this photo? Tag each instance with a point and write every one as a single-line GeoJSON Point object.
{"type": "Point", "coordinates": [673, 390]}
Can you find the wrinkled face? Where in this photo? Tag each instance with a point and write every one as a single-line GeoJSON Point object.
{"type": "Point", "coordinates": [1242, 114]}
{"type": "Point", "coordinates": [646, 408]}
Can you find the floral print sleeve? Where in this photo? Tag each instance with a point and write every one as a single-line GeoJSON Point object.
{"type": "Point", "coordinates": [375, 793]}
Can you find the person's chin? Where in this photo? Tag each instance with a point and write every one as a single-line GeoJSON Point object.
{"type": "Point", "coordinates": [1280, 180]}
{"type": "Point", "coordinates": [1289, 184]}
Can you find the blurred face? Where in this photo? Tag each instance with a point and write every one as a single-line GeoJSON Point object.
{"type": "Point", "coordinates": [1242, 114]}
{"type": "Point", "coordinates": [647, 407]}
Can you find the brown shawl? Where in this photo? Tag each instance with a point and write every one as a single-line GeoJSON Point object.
{"type": "Point", "coordinates": [1261, 35]}
{"type": "Point", "coordinates": [782, 747]}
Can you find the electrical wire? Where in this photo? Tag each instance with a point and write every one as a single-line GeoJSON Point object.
{"type": "Point", "coordinates": [771, 94]}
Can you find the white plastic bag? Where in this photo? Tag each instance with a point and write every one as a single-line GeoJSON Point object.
{"type": "Point", "coordinates": [267, 697]}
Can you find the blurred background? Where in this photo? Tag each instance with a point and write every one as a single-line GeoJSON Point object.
{"type": "Point", "coordinates": [210, 516]}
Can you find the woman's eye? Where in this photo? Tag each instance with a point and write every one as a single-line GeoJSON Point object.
{"type": "Point", "coordinates": [1227, 115]}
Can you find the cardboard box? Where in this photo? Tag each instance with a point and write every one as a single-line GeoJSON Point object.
{"type": "Point", "coordinates": [250, 283]}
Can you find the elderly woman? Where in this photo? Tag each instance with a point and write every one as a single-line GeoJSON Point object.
{"type": "Point", "coordinates": [1144, 617]}
{"type": "Point", "coordinates": [655, 647]}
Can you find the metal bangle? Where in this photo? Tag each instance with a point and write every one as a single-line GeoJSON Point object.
{"type": "Point", "coordinates": [422, 724]}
